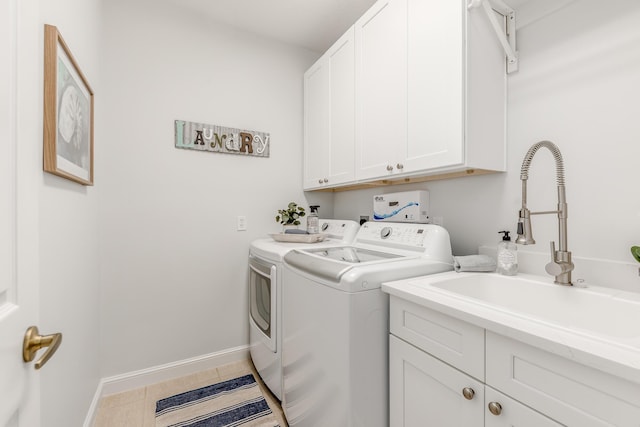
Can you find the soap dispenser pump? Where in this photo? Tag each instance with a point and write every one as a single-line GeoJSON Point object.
{"type": "Point", "coordinates": [313, 223]}
{"type": "Point", "coordinates": [507, 255]}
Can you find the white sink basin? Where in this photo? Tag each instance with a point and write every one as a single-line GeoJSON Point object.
{"type": "Point", "coordinates": [596, 310]}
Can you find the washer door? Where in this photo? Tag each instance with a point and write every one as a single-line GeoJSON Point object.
{"type": "Point", "coordinates": [262, 300]}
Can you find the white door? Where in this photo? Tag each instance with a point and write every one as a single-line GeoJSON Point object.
{"type": "Point", "coordinates": [341, 58]}
{"type": "Point", "coordinates": [316, 129]}
{"type": "Point", "coordinates": [381, 89]}
{"type": "Point", "coordinates": [329, 122]}
{"type": "Point", "coordinates": [19, 393]}
{"type": "Point", "coordinates": [435, 84]}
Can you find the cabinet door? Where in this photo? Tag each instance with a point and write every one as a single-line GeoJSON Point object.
{"type": "Point", "coordinates": [381, 88]}
{"type": "Point", "coordinates": [341, 60]}
{"type": "Point", "coordinates": [512, 413]}
{"type": "Point", "coordinates": [427, 392]}
{"type": "Point", "coordinates": [316, 124]}
{"type": "Point", "coordinates": [567, 391]}
{"type": "Point", "coordinates": [435, 80]}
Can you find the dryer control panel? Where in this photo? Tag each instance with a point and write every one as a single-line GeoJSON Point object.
{"type": "Point", "coordinates": [344, 230]}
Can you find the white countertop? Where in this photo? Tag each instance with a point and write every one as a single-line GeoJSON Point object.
{"type": "Point", "coordinates": [617, 356]}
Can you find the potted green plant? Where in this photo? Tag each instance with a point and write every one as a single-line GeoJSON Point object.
{"type": "Point", "coordinates": [290, 216]}
{"type": "Point", "coordinates": [635, 251]}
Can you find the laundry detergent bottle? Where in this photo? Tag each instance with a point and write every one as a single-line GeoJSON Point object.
{"type": "Point", "coordinates": [313, 223]}
{"type": "Point", "coordinates": [507, 256]}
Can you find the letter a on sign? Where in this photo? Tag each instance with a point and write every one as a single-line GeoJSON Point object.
{"type": "Point", "coordinates": [199, 138]}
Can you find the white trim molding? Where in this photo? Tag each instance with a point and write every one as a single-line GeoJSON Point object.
{"type": "Point", "coordinates": [156, 374]}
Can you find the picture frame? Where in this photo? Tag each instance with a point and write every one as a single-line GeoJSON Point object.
{"type": "Point", "coordinates": [68, 113]}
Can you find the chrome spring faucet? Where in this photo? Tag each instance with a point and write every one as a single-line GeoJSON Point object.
{"type": "Point", "coordinates": [561, 264]}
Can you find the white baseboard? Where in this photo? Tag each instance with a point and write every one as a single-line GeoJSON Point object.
{"type": "Point", "coordinates": [156, 374]}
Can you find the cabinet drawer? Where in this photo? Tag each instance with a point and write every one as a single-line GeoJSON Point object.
{"type": "Point", "coordinates": [569, 392]}
{"type": "Point", "coordinates": [457, 343]}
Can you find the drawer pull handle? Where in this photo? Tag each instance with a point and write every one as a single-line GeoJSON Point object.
{"type": "Point", "coordinates": [495, 408]}
{"type": "Point", "coordinates": [468, 393]}
{"type": "Point", "coordinates": [389, 168]}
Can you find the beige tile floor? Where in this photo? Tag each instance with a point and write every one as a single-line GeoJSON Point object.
{"type": "Point", "coordinates": [136, 408]}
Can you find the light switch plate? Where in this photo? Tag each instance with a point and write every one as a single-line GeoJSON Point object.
{"type": "Point", "coordinates": [242, 223]}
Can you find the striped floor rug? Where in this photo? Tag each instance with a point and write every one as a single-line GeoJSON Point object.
{"type": "Point", "coordinates": [236, 402]}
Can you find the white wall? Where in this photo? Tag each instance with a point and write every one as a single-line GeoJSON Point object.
{"type": "Point", "coordinates": [69, 263]}
{"type": "Point", "coordinates": [161, 237]}
{"type": "Point", "coordinates": [577, 86]}
{"type": "Point", "coordinates": [173, 265]}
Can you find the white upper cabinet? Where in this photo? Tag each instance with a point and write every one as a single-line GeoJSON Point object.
{"type": "Point", "coordinates": [329, 121]}
{"type": "Point", "coordinates": [431, 90]}
{"type": "Point", "coordinates": [429, 97]}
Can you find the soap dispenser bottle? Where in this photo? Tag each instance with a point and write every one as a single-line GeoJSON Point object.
{"type": "Point", "coordinates": [507, 256]}
{"type": "Point", "coordinates": [313, 223]}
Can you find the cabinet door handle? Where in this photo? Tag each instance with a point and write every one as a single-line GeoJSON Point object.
{"type": "Point", "coordinates": [320, 181]}
{"type": "Point", "coordinates": [468, 393]}
{"type": "Point", "coordinates": [389, 168]}
{"type": "Point", "coordinates": [325, 180]}
{"type": "Point", "coordinates": [495, 408]}
{"type": "Point", "coordinates": [400, 166]}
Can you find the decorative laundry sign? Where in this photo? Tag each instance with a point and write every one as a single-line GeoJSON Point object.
{"type": "Point", "coordinates": [219, 139]}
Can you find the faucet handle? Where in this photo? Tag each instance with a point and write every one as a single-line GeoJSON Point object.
{"type": "Point", "coordinates": [553, 267]}
{"type": "Point", "coordinates": [557, 267]}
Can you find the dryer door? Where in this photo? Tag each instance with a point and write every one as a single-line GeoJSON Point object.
{"type": "Point", "coordinates": [262, 300]}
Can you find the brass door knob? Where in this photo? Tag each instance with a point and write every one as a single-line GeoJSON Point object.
{"type": "Point", "coordinates": [33, 342]}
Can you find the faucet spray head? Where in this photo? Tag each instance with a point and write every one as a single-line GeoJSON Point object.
{"type": "Point", "coordinates": [525, 235]}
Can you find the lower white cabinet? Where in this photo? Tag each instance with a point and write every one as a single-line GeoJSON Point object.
{"type": "Point", "coordinates": [427, 392]}
{"type": "Point", "coordinates": [432, 383]}
{"type": "Point", "coordinates": [570, 392]}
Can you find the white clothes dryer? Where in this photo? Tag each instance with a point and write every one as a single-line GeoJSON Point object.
{"type": "Point", "coordinates": [265, 296]}
{"type": "Point", "coordinates": [336, 322]}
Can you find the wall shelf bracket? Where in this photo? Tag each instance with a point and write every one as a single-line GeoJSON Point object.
{"type": "Point", "coordinates": [506, 35]}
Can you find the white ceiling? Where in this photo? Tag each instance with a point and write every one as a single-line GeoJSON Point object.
{"type": "Point", "coordinates": [316, 24]}
{"type": "Point", "coordinates": [312, 24]}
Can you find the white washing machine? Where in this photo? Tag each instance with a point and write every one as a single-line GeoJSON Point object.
{"type": "Point", "coordinates": [335, 321]}
{"type": "Point", "coordinates": [265, 300]}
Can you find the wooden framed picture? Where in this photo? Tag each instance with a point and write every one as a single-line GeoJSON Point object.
{"type": "Point", "coordinates": [68, 113]}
